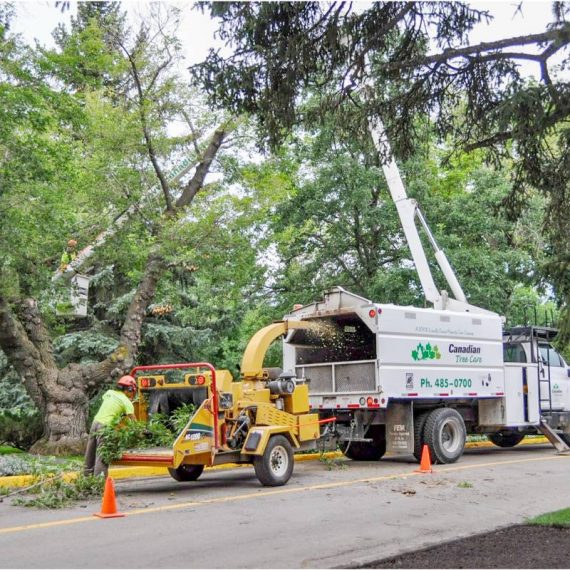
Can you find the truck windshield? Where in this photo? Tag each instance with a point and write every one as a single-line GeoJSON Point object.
{"type": "Point", "coordinates": [549, 356]}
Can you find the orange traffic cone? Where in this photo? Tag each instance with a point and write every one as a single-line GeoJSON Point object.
{"type": "Point", "coordinates": [425, 463]}
{"type": "Point", "coordinates": [109, 505]}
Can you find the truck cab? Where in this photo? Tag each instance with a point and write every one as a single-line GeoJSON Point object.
{"type": "Point", "coordinates": [533, 344]}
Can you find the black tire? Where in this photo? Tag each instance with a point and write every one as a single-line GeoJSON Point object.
{"type": "Point", "coordinates": [275, 467]}
{"type": "Point", "coordinates": [419, 440]}
{"type": "Point", "coordinates": [506, 438]}
{"type": "Point", "coordinates": [445, 435]}
{"type": "Point", "coordinates": [367, 450]}
{"type": "Point", "coordinates": [565, 437]}
{"type": "Point", "coordinates": [186, 472]}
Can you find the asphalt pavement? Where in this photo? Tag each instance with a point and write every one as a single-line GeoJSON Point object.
{"type": "Point", "coordinates": [330, 514]}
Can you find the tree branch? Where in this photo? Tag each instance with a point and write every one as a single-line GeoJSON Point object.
{"type": "Point", "coordinates": [146, 132]}
{"type": "Point", "coordinates": [197, 181]}
{"type": "Point", "coordinates": [561, 35]}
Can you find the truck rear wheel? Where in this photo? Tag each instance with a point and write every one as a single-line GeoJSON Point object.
{"type": "Point", "coordinates": [186, 472]}
{"type": "Point", "coordinates": [506, 438]}
{"type": "Point", "coordinates": [419, 424]}
{"type": "Point", "coordinates": [445, 435]}
{"type": "Point", "coordinates": [275, 467]}
{"type": "Point", "coordinates": [367, 450]}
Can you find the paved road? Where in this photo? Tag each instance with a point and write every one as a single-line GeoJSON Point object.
{"type": "Point", "coordinates": [325, 517]}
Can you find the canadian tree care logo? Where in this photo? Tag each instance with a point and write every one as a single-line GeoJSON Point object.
{"type": "Point", "coordinates": [427, 352]}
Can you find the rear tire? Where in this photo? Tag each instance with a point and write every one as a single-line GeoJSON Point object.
{"type": "Point", "coordinates": [506, 438]}
{"type": "Point", "coordinates": [366, 450]}
{"type": "Point", "coordinates": [186, 472]}
{"type": "Point", "coordinates": [275, 467]}
{"type": "Point", "coordinates": [445, 435]}
{"type": "Point", "coordinates": [419, 439]}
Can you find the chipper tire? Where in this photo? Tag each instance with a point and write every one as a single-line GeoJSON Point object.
{"type": "Point", "coordinates": [366, 450]}
{"type": "Point", "coordinates": [506, 438]}
{"type": "Point", "coordinates": [186, 472]}
{"type": "Point", "coordinates": [445, 435]}
{"type": "Point", "coordinates": [275, 466]}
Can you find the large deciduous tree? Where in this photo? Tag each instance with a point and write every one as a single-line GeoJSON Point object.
{"type": "Point", "coordinates": [55, 177]}
{"type": "Point", "coordinates": [419, 64]}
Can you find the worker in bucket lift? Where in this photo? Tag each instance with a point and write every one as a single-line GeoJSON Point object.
{"type": "Point", "coordinates": [68, 255]}
{"type": "Point", "coordinates": [116, 403]}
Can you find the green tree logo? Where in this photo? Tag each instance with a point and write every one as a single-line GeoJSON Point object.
{"type": "Point", "coordinates": [427, 352]}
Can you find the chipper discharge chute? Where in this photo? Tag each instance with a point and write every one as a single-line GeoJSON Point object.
{"type": "Point", "coordinates": [257, 420]}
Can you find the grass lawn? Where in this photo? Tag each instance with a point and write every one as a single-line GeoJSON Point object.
{"type": "Point", "coordinates": [7, 450]}
{"type": "Point", "coordinates": [557, 518]}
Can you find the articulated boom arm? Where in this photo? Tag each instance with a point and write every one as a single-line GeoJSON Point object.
{"type": "Point", "coordinates": [408, 210]}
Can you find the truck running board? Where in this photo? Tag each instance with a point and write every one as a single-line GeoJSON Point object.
{"type": "Point", "coordinates": [553, 437]}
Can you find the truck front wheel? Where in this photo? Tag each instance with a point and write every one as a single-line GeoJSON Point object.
{"type": "Point", "coordinates": [275, 466]}
{"type": "Point", "coordinates": [506, 438]}
{"type": "Point", "coordinates": [445, 435]}
{"type": "Point", "coordinates": [186, 472]}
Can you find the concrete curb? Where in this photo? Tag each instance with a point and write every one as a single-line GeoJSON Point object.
{"type": "Point", "coordinates": [14, 481]}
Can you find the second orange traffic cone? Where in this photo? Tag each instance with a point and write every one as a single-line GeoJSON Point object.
{"type": "Point", "coordinates": [425, 463]}
{"type": "Point", "coordinates": [109, 505]}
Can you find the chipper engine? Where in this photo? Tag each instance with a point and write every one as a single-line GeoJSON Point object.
{"type": "Point", "coordinates": [259, 419]}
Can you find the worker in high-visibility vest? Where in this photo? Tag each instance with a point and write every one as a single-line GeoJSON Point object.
{"type": "Point", "coordinates": [68, 255]}
{"type": "Point", "coordinates": [116, 403]}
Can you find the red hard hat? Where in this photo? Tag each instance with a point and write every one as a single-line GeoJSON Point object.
{"type": "Point", "coordinates": [127, 382]}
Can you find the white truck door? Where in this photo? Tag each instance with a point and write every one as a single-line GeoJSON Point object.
{"type": "Point", "coordinates": [550, 359]}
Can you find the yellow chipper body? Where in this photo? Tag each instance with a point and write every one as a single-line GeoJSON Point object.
{"type": "Point", "coordinates": [259, 419]}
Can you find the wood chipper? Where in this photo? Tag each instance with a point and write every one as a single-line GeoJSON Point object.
{"type": "Point", "coordinates": [259, 419]}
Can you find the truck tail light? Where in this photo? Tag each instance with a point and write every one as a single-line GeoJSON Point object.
{"type": "Point", "coordinates": [200, 380]}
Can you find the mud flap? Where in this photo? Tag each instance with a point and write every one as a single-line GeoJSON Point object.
{"type": "Point", "coordinates": [400, 428]}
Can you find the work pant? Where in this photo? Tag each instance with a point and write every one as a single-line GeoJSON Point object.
{"type": "Point", "coordinates": [94, 465]}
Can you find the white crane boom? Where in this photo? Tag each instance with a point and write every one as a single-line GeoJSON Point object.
{"type": "Point", "coordinates": [407, 211]}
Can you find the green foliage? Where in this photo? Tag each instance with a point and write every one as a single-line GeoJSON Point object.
{"type": "Point", "coordinates": [528, 307]}
{"type": "Point", "coordinates": [20, 429]}
{"type": "Point", "coordinates": [465, 485]}
{"type": "Point", "coordinates": [159, 431]}
{"type": "Point", "coordinates": [52, 491]}
{"type": "Point", "coordinates": [180, 417]}
{"type": "Point", "coordinates": [35, 465]}
{"type": "Point", "coordinates": [13, 464]}
{"type": "Point", "coordinates": [337, 225]}
{"type": "Point", "coordinates": [283, 56]}
{"type": "Point", "coordinates": [83, 347]}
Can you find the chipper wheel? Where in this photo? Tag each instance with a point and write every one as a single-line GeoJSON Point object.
{"type": "Point", "coordinates": [275, 466]}
{"type": "Point", "coordinates": [186, 472]}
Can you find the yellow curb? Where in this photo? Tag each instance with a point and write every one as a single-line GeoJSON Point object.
{"type": "Point", "coordinates": [525, 441]}
{"type": "Point", "coordinates": [128, 472]}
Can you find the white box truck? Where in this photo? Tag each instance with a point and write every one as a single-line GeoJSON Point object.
{"type": "Point", "coordinates": [397, 378]}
